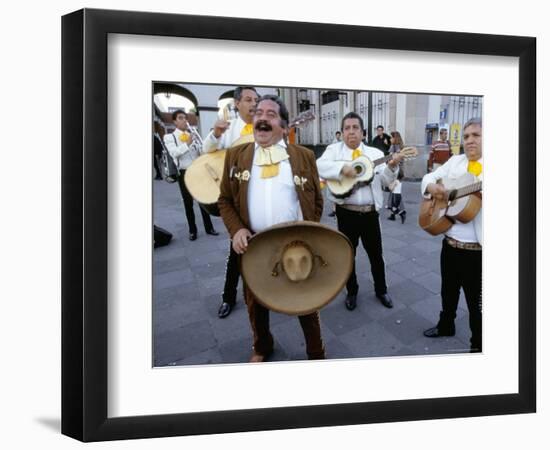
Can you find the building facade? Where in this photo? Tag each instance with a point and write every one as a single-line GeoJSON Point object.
{"type": "Point", "coordinates": [317, 114]}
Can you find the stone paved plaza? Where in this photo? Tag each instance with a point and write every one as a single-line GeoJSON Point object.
{"type": "Point", "coordinates": [189, 276]}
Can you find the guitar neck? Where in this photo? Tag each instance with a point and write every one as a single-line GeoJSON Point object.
{"type": "Point", "coordinates": [382, 160]}
{"type": "Point", "coordinates": [407, 152]}
{"type": "Point", "coordinates": [467, 190]}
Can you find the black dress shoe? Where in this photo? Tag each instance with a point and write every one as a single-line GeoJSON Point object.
{"type": "Point", "coordinates": [212, 232]}
{"type": "Point", "coordinates": [332, 214]}
{"type": "Point", "coordinates": [403, 215]}
{"type": "Point", "coordinates": [434, 332]}
{"type": "Point", "coordinates": [192, 236]}
{"type": "Point", "coordinates": [391, 217]}
{"type": "Point", "coordinates": [386, 300]}
{"type": "Point", "coordinates": [351, 302]}
{"type": "Point", "coordinates": [225, 310]}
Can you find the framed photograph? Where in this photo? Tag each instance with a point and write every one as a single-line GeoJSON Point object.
{"type": "Point", "coordinates": [144, 350]}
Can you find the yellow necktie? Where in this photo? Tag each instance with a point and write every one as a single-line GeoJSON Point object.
{"type": "Point", "coordinates": [356, 153]}
{"type": "Point", "coordinates": [248, 129]}
{"type": "Point", "coordinates": [475, 167]}
{"type": "Point", "coordinates": [269, 158]}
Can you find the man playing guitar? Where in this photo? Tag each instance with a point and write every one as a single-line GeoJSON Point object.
{"type": "Point", "coordinates": [357, 214]}
{"type": "Point", "coordinates": [224, 135]}
{"type": "Point", "coordinates": [461, 251]}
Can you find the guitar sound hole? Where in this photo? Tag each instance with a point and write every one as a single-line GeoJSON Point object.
{"type": "Point", "coordinates": [358, 169]}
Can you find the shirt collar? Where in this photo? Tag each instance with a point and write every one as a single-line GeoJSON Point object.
{"type": "Point", "coordinates": [352, 149]}
{"type": "Point", "coordinates": [240, 121]}
{"type": "Point", "coordinates": [480, 160]}
{"type": "Point", "coordinates": [281, 143]}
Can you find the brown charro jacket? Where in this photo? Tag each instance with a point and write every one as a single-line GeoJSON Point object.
{"type": "Point", "coordinates": [233, 200]}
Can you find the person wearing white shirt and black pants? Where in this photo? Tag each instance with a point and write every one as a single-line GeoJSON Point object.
{"type": "Point", "coordinates": [184, 150]}
{"type": "Point", "coordinates": [224, 135]}
{"type": "Point", "coordinates": [357, 214]}
{"type": "Point", "coordinates": [462, 245]}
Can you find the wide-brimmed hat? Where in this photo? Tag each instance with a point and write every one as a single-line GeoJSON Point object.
{"type": "Point", "coordinates": [297, 267]}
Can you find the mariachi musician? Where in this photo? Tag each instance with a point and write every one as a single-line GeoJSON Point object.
{"type": "Point", "coordinates": [266, 183]}
{"type": "Point", "coordinates": [357, 215]}
{"type": "Point", "coordinates": [461, 250]}
{"type": "Point", "coordinates": [226, 134]}
{"type": "Point", "coordinates": [184, 147]}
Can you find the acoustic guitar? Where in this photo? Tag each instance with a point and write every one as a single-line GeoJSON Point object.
{"type": "Point", "coordinates": [204, 176]}
{"type": "Point", "coordinates": [364, 168]}
{"type": "Point", "coordinates": [462, 202]}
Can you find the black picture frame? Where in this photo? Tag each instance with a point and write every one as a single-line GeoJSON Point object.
{"type": "Point", "coordinates": [84, 224]}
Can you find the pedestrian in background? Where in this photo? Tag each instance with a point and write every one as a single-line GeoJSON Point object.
{"type": "Point", "coordinates": [441, 151]}
{"type": "Point", "coordinates": [396, 198]}
{"type": "Point", "coordinates": [381, 141]}
{"type": "Point", "coordinates": [157, 147]}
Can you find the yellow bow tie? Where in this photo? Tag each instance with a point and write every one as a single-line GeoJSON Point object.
{"type": "Point", "coordinates": [248, 129]}
{"type": "Point", "coordinates": [475, 167]}
{"type": "Point", "coordinates": [356, 153]}
{"type": "Point", "coordinates": [269, 158]}
{"type": "Point", "coordinates": [184, 137]}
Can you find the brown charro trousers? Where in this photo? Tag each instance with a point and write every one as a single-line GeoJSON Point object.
{"type": "Point", "coordinates": [233, 205]}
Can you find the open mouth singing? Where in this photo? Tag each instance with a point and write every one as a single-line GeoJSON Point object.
{"type": "Point", "coordinates": [263, 126]}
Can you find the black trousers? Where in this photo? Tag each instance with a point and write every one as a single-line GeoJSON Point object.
{"type": "Point", "coordinates": [366, 226]}
{"type": "Point", "coordinates": [395, 203]}
{"type": "Point", "coordinates": [188, 205]}
{"type": "Point", "coordinates": [156, 165]}
{"type": "Point", "coordinates": [461, 269]}
{"type": "Point", "coordinates": [232, 273]}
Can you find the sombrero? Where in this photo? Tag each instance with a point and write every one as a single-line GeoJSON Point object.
{"type": "Point", "coordinates": [297, 267]}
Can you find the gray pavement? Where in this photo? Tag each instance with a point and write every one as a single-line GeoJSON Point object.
{"type": "Point", "coordinates": [188, 279]}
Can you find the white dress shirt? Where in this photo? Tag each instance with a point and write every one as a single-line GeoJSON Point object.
{"type": "Point", "coordinates": [226, 140]}
{"type": "Point", "coordinates": [330, 166]}
{"type": "Point", "coordinates": [454, 168]}
{"type": "Point", "coordinates": [182, 154]}
{"type": "Point", "coordinates": [272, 200]}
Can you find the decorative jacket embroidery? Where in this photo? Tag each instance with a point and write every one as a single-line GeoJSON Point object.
{"type": "Point", "coordinates": [242, 176]}
{"type": "Point", "coordinates": [300, 181]}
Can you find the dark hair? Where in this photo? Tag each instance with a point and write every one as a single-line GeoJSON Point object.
{"type": "Point", "coordinates": [283, 112]}
{"type": "Point", "coordinates": [380, 126]}
{"type": "Point", "coordinates": [443, 130]}
{"type": "Point", "coordinates": [178, 111]}
{"type": "Point", "coordinates": [238, 93]}
{"type": "Point", "coordinates": [472, 121]}
{"type": "Point", "coordinates": [338, 132]}
{"type": "Point", "coordinates": [353, 115]}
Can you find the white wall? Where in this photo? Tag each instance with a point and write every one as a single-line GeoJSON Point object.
{"type": "Point", "coordinates": [434, 106]}
{"type": "Point", "coordinates": [30, 330]}
{"type": "Point", "coordinates": [401, 116]}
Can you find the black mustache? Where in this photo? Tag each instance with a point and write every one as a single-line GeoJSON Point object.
{"type": "Point", "coordinates": [262, 125]}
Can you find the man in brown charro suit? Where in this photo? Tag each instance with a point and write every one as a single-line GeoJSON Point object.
{"type": "Point", "coordinates": [265, 183]}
